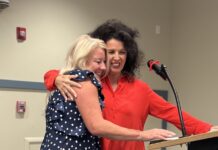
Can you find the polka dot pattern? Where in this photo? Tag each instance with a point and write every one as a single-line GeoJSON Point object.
{"type": "Point", "coordinates": [65, 128]}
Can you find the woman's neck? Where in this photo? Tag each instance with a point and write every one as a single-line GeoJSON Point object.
{"type": "Point", "coordinates": [113, 78]}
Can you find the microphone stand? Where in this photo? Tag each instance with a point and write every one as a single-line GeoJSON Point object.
{"type": "Point", "coordinates": [163, 69]}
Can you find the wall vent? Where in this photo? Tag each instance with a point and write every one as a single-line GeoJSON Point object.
{"type": "Point", "coordinates": [4, 4]}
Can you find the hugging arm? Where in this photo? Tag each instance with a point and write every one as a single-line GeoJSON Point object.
{"type": "Point", "coordinates": [53, 80]}
{"type": "Point", "coordinates": [88, 105]}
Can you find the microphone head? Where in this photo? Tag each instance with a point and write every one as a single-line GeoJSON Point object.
{"type": "Point", "coordinates": [159, 69]}
{"type": "Point", "coordinates": [154, 65]}
{"type": "Point", "coordinates": [149, 63]}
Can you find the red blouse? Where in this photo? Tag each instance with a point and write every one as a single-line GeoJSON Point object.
{"type": "Point", "coordinates": [129, 106]}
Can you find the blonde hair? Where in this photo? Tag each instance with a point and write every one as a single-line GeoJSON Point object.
{"type": "Point", "coordinates": [78, 54]}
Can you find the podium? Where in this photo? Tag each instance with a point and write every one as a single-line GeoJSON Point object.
{"type": "Point", "coordinates": [205, 141]}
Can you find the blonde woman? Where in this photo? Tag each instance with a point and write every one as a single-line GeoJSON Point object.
{"type": "Point", "coordinates": [78, 124]}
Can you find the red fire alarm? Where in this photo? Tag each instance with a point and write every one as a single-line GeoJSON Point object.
{"type": "Point", "coordinates": [21, 106]}
{"type": "Point", "coordinates": [21, 33]}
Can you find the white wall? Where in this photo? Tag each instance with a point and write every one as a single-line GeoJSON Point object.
{"type": "Point", "coordinates": [51, 27]}
{"type": "Point", "coordinates": [15, 127]}
{"type": "Point", "coordinates": [186, 44]}
{"type": "Point", "coordinates": [193, 57]}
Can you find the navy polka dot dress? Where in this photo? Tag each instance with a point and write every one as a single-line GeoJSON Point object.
{"type": "Point", "coordinates": [65, 129]}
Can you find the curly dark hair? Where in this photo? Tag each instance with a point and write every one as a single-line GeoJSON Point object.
{"type": "Point", "coordinates": [115, 29]}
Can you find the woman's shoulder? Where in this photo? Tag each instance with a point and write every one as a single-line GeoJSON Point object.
{"type": "Point", "coordinates": [140, 82]}
{"type": "Point", "coordinates": [84, 75]}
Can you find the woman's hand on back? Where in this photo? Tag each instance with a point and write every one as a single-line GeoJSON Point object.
{"type": "Point", "coordinates": [65, 84]}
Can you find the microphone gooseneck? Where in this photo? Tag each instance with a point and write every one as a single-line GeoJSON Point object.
{"type": "Point", "coordinates": [161, 71]}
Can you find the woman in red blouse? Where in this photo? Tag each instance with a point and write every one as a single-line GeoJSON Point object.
{"type": "Point", "coordinates": [128, 100]}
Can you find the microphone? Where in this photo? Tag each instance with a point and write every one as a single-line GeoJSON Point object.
{"type": "Point", "coordinates": [161, 71]}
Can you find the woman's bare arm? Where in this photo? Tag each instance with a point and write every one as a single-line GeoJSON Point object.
{"type": "Point", "coordinates": [89, 107]}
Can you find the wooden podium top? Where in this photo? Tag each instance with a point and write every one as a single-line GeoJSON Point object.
{"type": "Point", "coordinates": [183, 140]}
